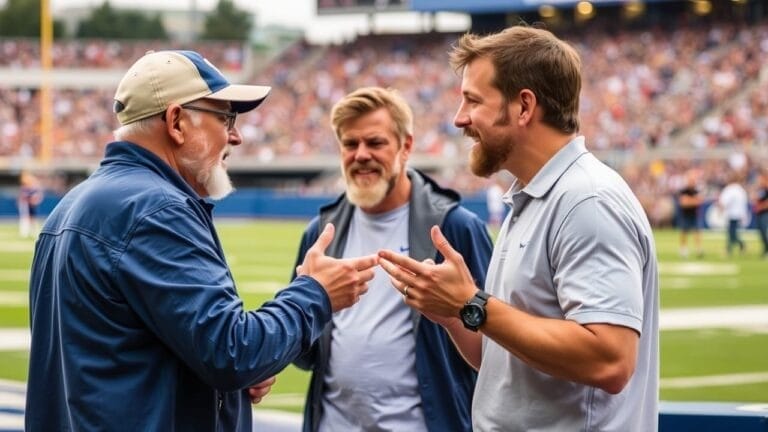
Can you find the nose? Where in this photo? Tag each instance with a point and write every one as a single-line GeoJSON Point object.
{"type": "Point", "coordinates": [362, 152]}
{"type": "Point", "coordinates": [461, 119]}
{"type": "Point", "coordinates": [235, 138]}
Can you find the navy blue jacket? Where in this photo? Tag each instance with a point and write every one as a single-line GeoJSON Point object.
{"type": "Point", "coordinates": [446, 381]}
{"type": "Point", "coordinates": [136, 324]}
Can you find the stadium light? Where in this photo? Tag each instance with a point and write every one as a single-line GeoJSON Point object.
{"type": "Point", "coordinates": [634, 9]}
{"type": "Point", "coordinates": [702, 7]}
{"type": "Point", "coordinates": [547, 11]}
{"type": "Point", "coordinates": [584, 11]}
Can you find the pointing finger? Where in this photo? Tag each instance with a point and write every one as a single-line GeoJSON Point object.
{"type": "Point", "coordinates": [364, 262]}
{"type": "Point", "coordinates": [402, 261]}
{"type": "Point", "coordinates": [397, 273]}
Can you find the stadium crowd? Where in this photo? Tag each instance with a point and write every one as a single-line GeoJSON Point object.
{"type": "Point", "coordinates": [703, 80]}
{"type": "Point", "coordinates": [21, 53]}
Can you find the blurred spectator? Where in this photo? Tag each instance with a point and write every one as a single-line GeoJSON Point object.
{"type": "Point", "coordinates": [761, 209]}
{"type": "Point", "coordinates": [734, 202]}
{"type": "Point", "coordinates": [494, 195]}
{"type": "Point", "coordinates": [689, 203]}
{"type": "Point", "coordinates": [29, 198]}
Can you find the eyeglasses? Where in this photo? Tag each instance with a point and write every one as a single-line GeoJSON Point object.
{"type": "Point", "coordinates": [229, 115]}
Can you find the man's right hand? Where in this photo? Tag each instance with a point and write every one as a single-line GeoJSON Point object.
{"type": "Point", "coordinates": [345, 280]}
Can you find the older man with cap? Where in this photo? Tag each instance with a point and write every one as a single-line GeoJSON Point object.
{"type": "Point", "coordinates": [136, 323]}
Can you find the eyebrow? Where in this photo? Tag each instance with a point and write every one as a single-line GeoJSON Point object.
{"type": "Point", "coordinates": [364, 138]}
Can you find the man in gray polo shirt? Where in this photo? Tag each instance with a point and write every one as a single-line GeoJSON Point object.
{"type": "Point", "coordinates": [570, 329]}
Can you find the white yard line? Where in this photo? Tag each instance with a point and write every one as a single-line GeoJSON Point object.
{"type": "Point", "coordinates": [714, 380]}
{"type": "Point", "coordinates": [753, 316]}
{"type": "Point", "coordinates": [14, 339]}
{"type": "Point", "coordinates": [14, 298]}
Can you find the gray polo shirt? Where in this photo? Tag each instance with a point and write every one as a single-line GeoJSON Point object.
{"type": "Point", "coordinates": [576, 245]}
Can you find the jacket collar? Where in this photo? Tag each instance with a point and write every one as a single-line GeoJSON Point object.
{"type": "Point", "coordinates": [128, 153]}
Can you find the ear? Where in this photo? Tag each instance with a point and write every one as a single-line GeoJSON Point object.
{"type": "Point", "coordinates": [528, 104]}
{"type": "Point", "coordinates": [173, 124]}
{"type": "Point", "coordinates": [407, 146]}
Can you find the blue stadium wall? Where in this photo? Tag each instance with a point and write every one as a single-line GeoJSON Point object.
{"type": "Point", "coordinates": [271, 204]}
{"type": "Point", "coordinates": [250, 203]}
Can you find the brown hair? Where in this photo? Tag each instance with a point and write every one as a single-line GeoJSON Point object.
{"type": "Point", "coordinates": [368, 99]}
{"type": "Point", "coordinates": [529, 58]}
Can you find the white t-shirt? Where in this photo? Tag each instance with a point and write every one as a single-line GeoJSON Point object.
{"type": "Point", "coordinates": [371, 383]}
{"type": "Point", "coordinates": [735, 202]}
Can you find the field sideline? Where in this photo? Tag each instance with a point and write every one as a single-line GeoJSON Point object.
{"type": "Point", "coordinates": [715, 310]}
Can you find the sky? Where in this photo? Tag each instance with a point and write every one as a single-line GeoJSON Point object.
{"type": "Point", "coordinates": [298, 14]}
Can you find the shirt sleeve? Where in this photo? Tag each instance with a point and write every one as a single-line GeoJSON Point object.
{"type": "Point", "coordinates": [597, 265]}
{"type": "Point", "coordinates": [174, 276]}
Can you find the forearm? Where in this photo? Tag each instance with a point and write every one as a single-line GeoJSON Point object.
{"type": "Point", "coordinates": [602, 356]}
{"type": "Point", "coordinates": [261, 342]}
{"type": "Point", "coordinates": [468, 343]}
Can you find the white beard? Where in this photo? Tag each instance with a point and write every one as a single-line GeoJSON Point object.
{"type": "Point", "coordinates": [214, 179]}
{"type": "Point", "coordinates": [216, 182]}
{"type": "Point", "coordinates": [367, 194]}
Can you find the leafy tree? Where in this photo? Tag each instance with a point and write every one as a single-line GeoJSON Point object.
{"type": "Point", "coordinates": [227, 22]}
{"type": "Point", "coordinates": [21, 18]}
{"type": "Point", "coordinates": [107, 22]}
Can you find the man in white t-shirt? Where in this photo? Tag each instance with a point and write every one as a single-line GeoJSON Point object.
{"type": "Point", "coordinates": [735, 204]}
{"type": "Point", "coordinates": [381, 366]}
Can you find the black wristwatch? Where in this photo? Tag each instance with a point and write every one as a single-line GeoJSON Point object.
{"type": "Point", "coordinates": [473, 313]}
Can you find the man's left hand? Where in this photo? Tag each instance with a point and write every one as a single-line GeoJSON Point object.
{"type": "Point", "coordinates": [258, 391]}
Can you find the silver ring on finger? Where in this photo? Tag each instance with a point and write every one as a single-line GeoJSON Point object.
{"type": "Point", "coordinates": [405, 291]}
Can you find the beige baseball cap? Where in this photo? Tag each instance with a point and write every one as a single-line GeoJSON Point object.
{"type": "Point", "coordinates": [161, 78]}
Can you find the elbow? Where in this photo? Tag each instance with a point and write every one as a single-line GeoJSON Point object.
{"type": "Point", "coordinates": [614, 386]}
{"type": "Point", "coordinates": [614, 378]}
{"type": "Point", "coordinates": [232, 379]}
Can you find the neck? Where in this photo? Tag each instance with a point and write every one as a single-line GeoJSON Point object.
{"type": "Point", "coordinates": [156, 143]}
{"type": "Point", "coordinates": [530, 155]}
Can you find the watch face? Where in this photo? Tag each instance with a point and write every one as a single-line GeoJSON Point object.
{"type": "Point", "coordinates": [472, 314]}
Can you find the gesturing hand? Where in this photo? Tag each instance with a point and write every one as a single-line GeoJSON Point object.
{"type": "Point", "coordinates": [345, 280]}
{"type": "Point", "coordinates": [436, 290]}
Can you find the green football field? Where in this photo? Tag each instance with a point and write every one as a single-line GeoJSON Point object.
{"type": "Point", "coordinates": [706, 363]}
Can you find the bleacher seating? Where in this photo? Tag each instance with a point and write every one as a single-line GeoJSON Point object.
{"type": "Point", "coordinates": [696, 92]}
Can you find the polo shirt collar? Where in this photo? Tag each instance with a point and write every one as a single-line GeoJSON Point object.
{"type": "Point", "coordinates": [548, 175]}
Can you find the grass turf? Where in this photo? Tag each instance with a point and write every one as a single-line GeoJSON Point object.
{"type": "Point", "coordinates": [261, 254]}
